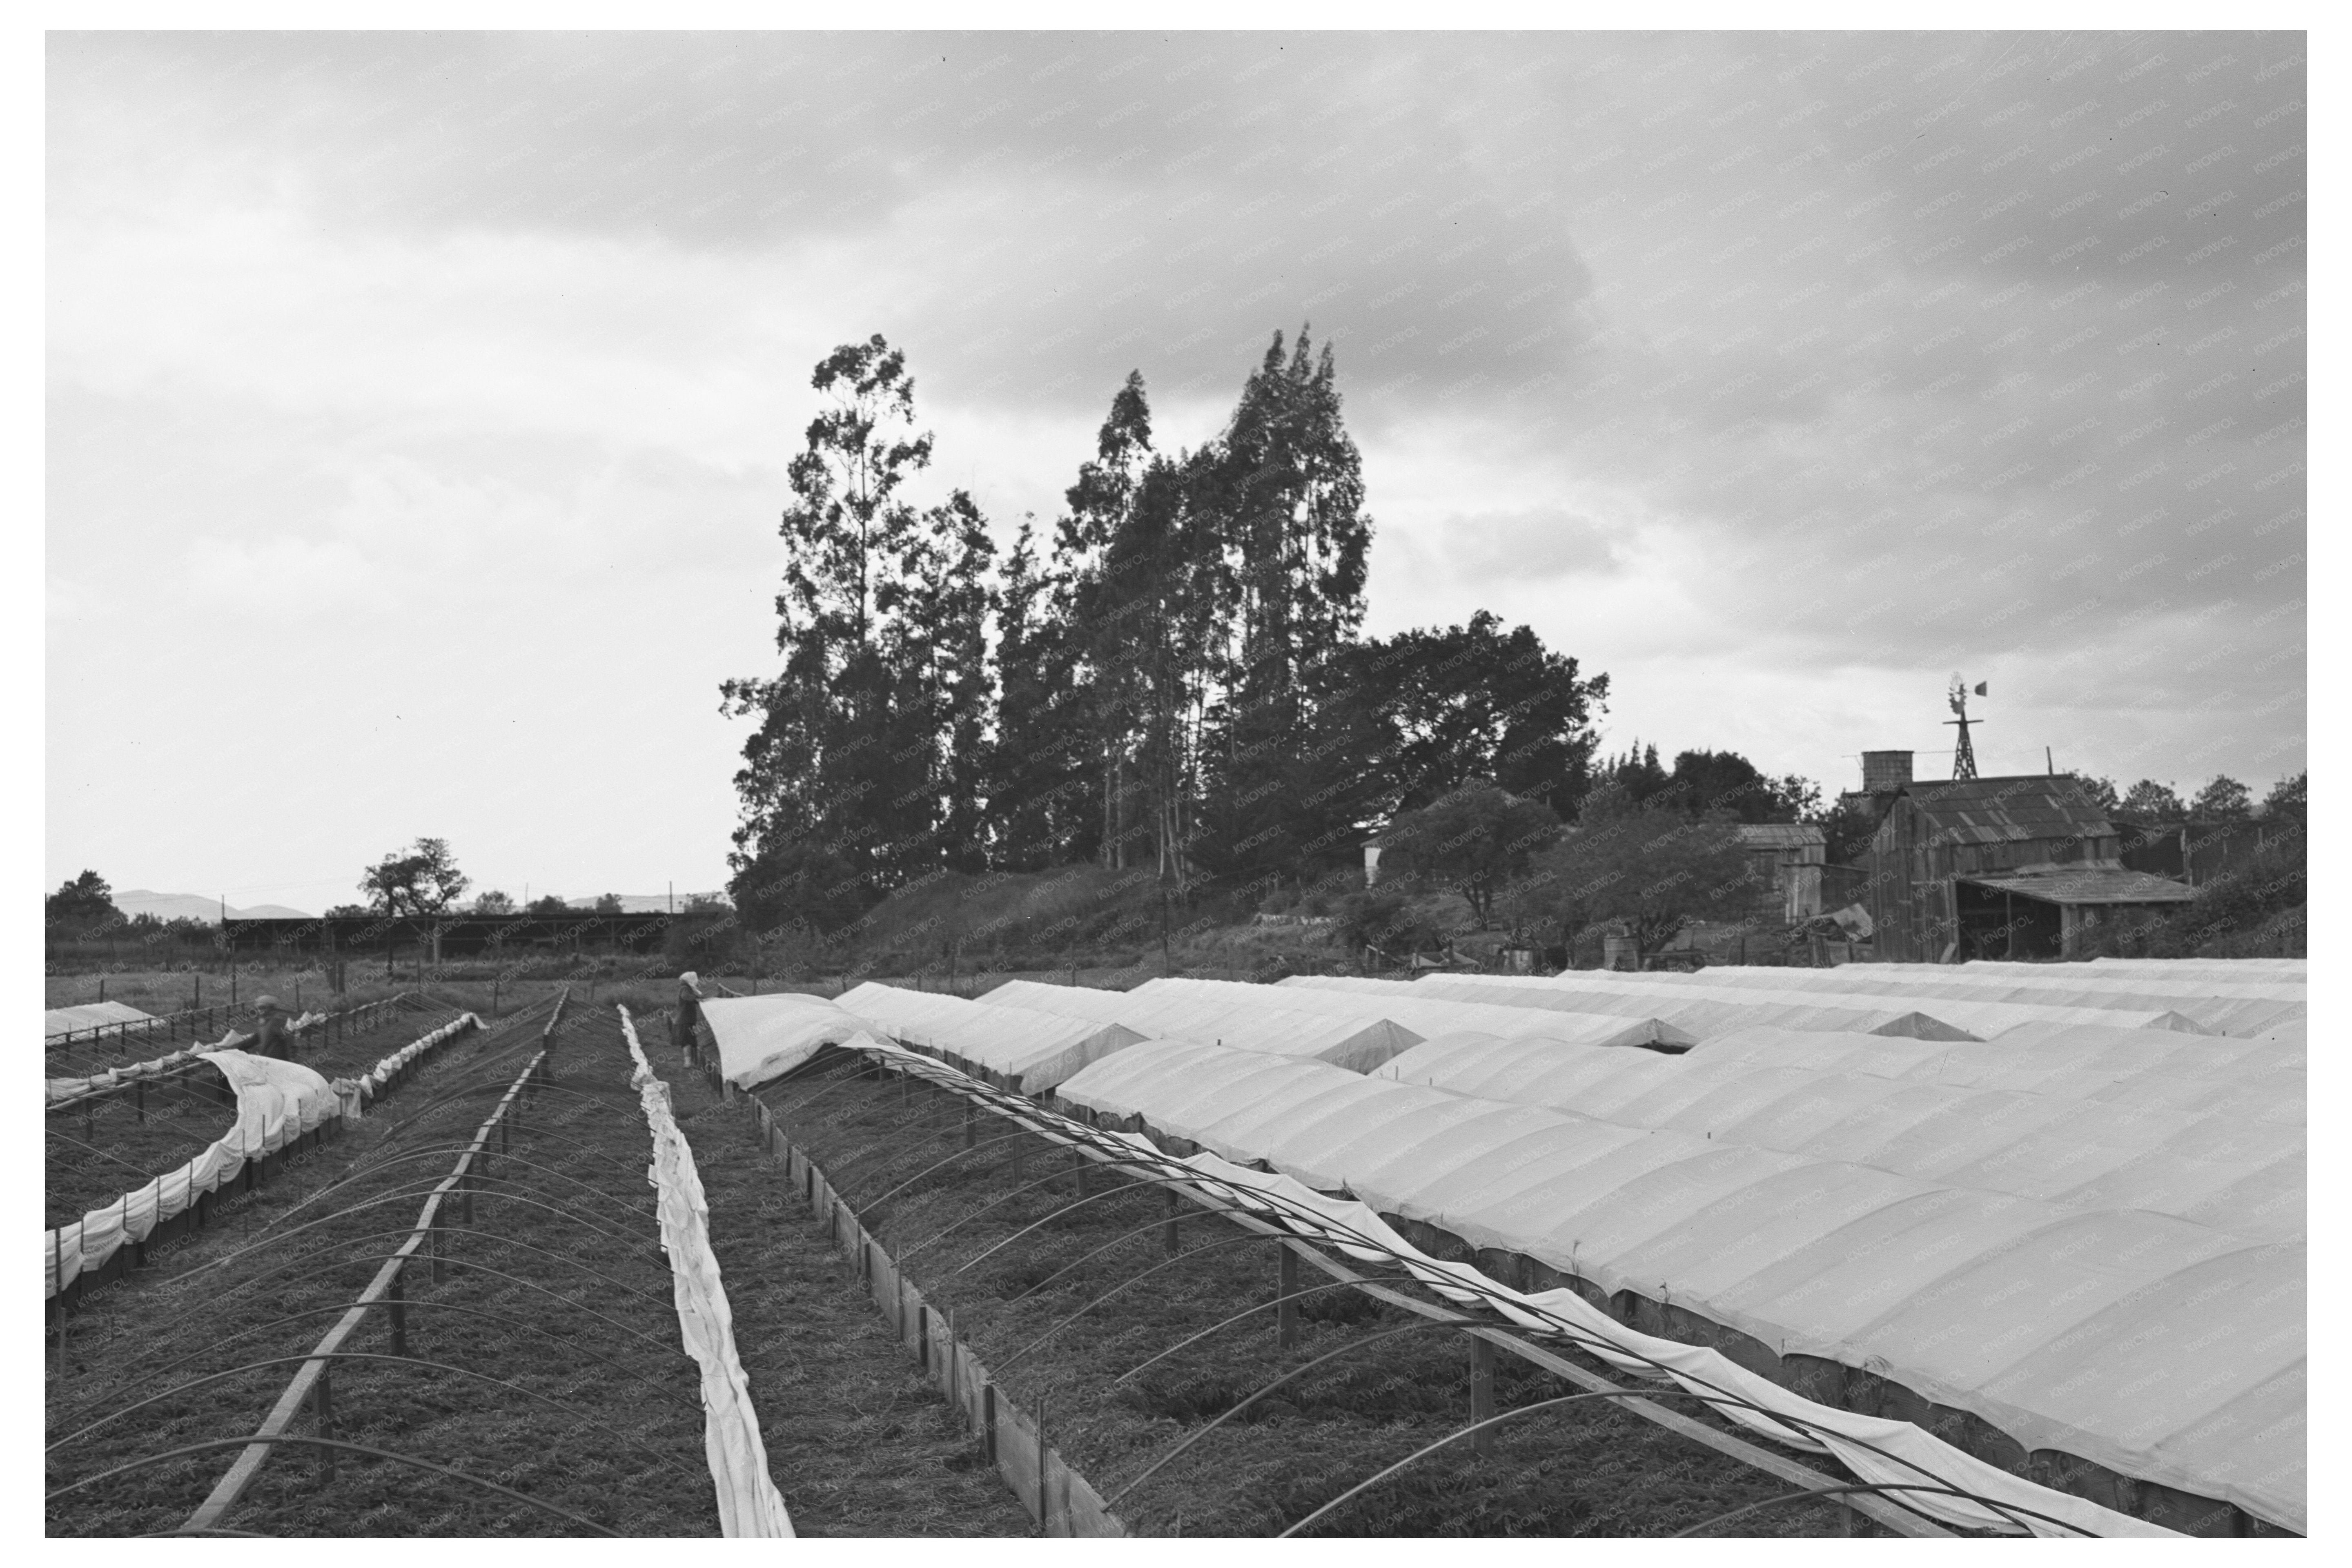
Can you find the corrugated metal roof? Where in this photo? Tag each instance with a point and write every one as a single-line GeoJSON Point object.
{"type": "Point", "coordinates": [2089, 885]}
{"type": "Point", "coordinates": [2007, 810]}
{"type": "Point", "coordinates": [1778, 834]}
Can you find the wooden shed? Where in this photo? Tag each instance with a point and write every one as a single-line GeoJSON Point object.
{"type": "Point", "coordinates": [1786, 858]}
{"type": "Point", "coordinates": [2001, 867]}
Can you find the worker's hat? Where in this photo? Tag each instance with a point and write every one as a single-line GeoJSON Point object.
{"type": "Point", "coordinates": [270, 1002]}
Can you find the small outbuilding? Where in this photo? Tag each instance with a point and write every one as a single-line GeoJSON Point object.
{"type": "Point", "coordinates": [1786, 858]}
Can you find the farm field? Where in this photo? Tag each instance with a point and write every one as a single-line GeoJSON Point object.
{"type": "Point", "coordinates": [550, 1352]}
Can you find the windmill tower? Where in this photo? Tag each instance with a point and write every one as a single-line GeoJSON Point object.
{"type": "Point", "coordinates": [1964, 755]}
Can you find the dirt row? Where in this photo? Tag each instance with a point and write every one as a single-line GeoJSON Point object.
{"type": "Point", "coordinates": [858, 1440]}
{"type": "Point", "coordinates": [1060, 1301]}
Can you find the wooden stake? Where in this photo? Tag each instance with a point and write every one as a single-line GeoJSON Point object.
{"type": "Point", "coordinates": [323, 1412]}
{"type": "Point", "coordinates": [1043, 1510]}
{"type": "Point", "coordinates": [1285, 1315]}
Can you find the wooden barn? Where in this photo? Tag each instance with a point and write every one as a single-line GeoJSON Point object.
{"type": "Point", "coordinates": [2001, 867]}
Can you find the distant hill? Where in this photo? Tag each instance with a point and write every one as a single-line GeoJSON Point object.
{"type": "Point", "coordinates": [196, 907]}
{"type": "Point", "coordinates": [641, 903]}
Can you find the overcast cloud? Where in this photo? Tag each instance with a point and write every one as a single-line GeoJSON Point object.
{"type": "Point", "coordinates": [419, 406]}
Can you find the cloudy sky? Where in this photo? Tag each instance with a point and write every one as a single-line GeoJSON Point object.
{"type": "Point", "coordinates": [418, 406]}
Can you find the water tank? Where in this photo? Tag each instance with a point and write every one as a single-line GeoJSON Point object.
{"type": "Point", "coordinates": [1884, 772]}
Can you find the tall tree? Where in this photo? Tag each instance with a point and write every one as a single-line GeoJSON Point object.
{"type": "Point", "coordinates": [81, 906]}
{"type": "Point", "coordinates": [1474, 701]}
{"type": "Point", "coordinates": [843, 770]}
{"type": "Point", "coordinates": [2222, 800]}
{"type": "Point", "coordinates": [2287, 800]}
{"type": "Point", "coordinates": [1136, 610]}
{"type": "Point", "coordinates": [939, 646]}
{"type": "Point", "coordinates": [1282, 490]}
{"type": "Point", "coordinates": [1704, 781]}
{"type": "Point", "coordinates": [1043, 760]}
{"type": "Point", "coordinates": [2098, 792]}
{"type": "Point", "coordinates": [1473, 839]}
{"type": "Point", "coordinates": [1636, 772]}
{"type": "Point", "coordinates": [1101, 611]}
{"type": "Point", "coordinates": [1650, 868]}
{"type": "Point", "coordinates": [2149, 801]}
{"type": "Point", "coordinates": [422, 882]}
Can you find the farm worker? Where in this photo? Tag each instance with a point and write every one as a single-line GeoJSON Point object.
{"type": "Point", "coordinates": [271, 1039]}
{"type": "Point", "coordinates": [690, 1011]}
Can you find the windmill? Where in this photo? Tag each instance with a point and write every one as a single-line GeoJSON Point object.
{"type": "Point", "coordinates": [1964, 755]}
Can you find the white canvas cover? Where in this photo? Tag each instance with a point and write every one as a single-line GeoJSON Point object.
{"type": "Point", "coordinates": [89, 1016]}
{"type": "Point", "coordinates": [1701, 1013]}
{"type": "Point", "coordinates": [764, 1037]}
{"type": "Point", "coordinates": [1426, 1015]}
{"type": "Point", "coordinates": [276, 1103]}
{"type": "Point", "coordinates": [2067, 979]}
{"type": "Point", "coordinates": [1969, 1295]}
{"type": "Point", "coordinates": [1357, 1043]}
{"type": "Point", "coordinates": [2215, 1005]}
{"type": "Point", "coordinates": [2082, 1141]}
{"type": "Point", "coordinates": [749, 1504]}
{"type": "Point", "coordinates": [1823, 1009]}
{"type": "Point", "coordinates": [1034, 1050]}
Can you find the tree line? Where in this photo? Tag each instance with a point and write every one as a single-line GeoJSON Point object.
{"type": "Point", "coordinates": [1171, 677]}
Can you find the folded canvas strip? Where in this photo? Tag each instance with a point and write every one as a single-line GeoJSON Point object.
{"type": "Point", "coordinates": [749, 1502]}
{"type": "Point", "coordinates": [276, 1103]}
{"type": "Point", "coordinates": [59, 1089]}
{"type": "Point", "coordinates": [355, 1093]}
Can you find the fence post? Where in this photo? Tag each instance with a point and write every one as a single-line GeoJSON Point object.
{"type": "Point", "coordinates": [1175, 1207]}
{"type": "Point", "coordinates": [1482, 1394]}
{"type": "Point", "coordinates": [396, 1294]}
{"type": "Point", "coordinates": [323, 1411]}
